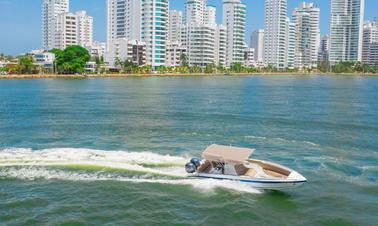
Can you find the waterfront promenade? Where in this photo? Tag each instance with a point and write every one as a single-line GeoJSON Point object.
{"type": "Point", "coordinates": [42, 76]}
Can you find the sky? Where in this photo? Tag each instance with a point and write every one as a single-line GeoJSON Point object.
{"type": "Point", "coordinates": [20, 20]}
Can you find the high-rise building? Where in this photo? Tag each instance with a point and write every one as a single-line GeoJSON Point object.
{"type": "Point", "coordinates": [202, 37]}
{"type": "Point", "coordinates": [175, 24]}
{"type": "Point", "coordinates": [257, 43]}
{"type": "Point", "coordinates": [373, 54]}
{"type": "Point", "coordinates": [234, 18]}
{"type": "Point", "coordinates": [324, 49]}
{"type": "Point", "coordinates": [275, 33]}
{"type": "Point", "coordinates": [142, 20]}
{"type": "Point", "coordinates": [154, 30]}
{"type": "Point", "coordinates": [369, 44]}
{"type": "Point", "coordinates": [51, 9]}
{"type": "Point", "coordinates": [206, 44]}
{"type": "Point", "coordinates": [306, 18]}
{"type": "Point", "coordinates": [210, 15]}
{"type": "Point", "coordinates": [195, 12]}
{"type": "Point", "coordinates": [73, 29]}
{"type": "Point", "coordinates": [290, 40]}
{"type": "Point", "coordinates": [346, 30]}
{"type": "Point", "coordinates": [201, 45]}
{"type": "Point", "coordinates": [123, 19]}
{"type": "Point", "coordinates": [220, 45]}
{"type": "Point", "coordinates": [66, 31]}
{"type": "Point", "coordinates": [84, 28]}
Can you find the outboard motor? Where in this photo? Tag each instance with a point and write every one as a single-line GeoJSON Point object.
{"type": "Point", "coordinates": [196, 162]}
{"type": "Point", "coordinates": [190, 167]}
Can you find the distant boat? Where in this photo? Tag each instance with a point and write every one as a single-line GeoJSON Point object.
{"type": "Point", "coordinates": [233, 164]}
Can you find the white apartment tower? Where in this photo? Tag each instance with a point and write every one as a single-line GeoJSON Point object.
{"type": "Point", "coordinates": [346, 30]}
{"type": "Point", "coordinates": [73, 29]}
{"type": "Point", "coordinates": [275, 33]}
{"type": "Point", "coordinates": [234, 18]}
{"type": "Point", "coordinates": [66, 31]}
{"type": "Point", "coordinates": [142, 20]}
{"type": "Point", "coordinates": [154, 30]}
{"type": "Point", "coordinates": [201, 45]}
{"type": "Point", "coordinates": [220, 45]}
{"type": "Point", "coordinates": [203, 38]}
{"type": "Point", "coordinates": [84, 29]}
{"type": "Point", "coordinates": [210, 15]}
{"type": "Point", "coordinates": [175, 24]}
{"type": "Point", "coordinates": [373, 54]}
{"type": "Point", "coordinates": [370, 43]}
{"type": "Point", "coordinates": [290, 40]}
{"type": "Point", "coordinates": [123, 19]}
{"type": "Point", "coordinates": [257, 42]}
{"type": "Point", "coordinates": [50, 11]}
{"type": "Point", "coordinates": [195, 11]}
{"type": "Point", "coordinates": [306, 18]}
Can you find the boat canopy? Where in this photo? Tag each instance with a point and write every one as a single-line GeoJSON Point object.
{"type": "Point", "coordinates": [220, 153]}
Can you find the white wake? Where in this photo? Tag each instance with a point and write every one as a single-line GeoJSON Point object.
{"type": "Point", "coordinates": [26, 164]}
{"type": "Point", "coordinates": [145, 162]}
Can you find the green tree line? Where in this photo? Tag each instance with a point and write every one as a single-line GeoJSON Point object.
{"type": "Point", "coordinates": [347, 67]}
{"type": "Point", "coordinates": [73, 59]}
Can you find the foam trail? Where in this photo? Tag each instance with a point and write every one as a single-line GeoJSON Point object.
{"type": "Point", "coordinates": [203, 185]}
{"type": "Point", "coordinates": [146, 162]}
{"type": "Point", "coordinates": [79, 154]}
{"type": "Point", "coordinates": [26, 164]}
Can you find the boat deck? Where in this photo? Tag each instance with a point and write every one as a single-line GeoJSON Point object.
{"type": "Point", "coordinates": [252, 169]}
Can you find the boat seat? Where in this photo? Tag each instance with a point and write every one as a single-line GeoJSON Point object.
{"type": "Point", "coordinates": [255, 170]}
{"type": "Point", "coordinates": [274, 174]}
{"type": "Point", "coordinates": [205, 167]}
{"type": "Point", "coordinates": [250, 173]}
{"type": "Point", "coordinates": [241, 169]}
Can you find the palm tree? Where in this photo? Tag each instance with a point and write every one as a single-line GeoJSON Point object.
{"type": "Point", "coordinates": [118, 62]}
{"type": "Point", "coordinates": [184, 60]}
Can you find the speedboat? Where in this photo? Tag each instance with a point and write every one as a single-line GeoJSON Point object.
{"type": "Point", "coordinates": [233, 164]}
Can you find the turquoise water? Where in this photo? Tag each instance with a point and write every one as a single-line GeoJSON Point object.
{"type": "Point", "coordinates": [110, 151]}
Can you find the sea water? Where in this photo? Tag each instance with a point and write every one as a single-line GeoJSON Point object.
{"type": "Point", "coordinates": [111, 151]}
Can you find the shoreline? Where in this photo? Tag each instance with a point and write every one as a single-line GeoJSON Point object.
{"type": "Point", "coordinates": [44, 76]}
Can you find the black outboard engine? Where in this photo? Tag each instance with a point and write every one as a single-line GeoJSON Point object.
{"type": "Point", "coordinates": [192, 166]}
{"type": "Point", "coordinates": [196, 162]}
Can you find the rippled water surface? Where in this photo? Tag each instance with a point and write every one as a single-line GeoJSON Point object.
{"type": "Point", "coordinates": [111, 151]}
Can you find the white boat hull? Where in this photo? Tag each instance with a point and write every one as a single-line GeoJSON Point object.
{"type": "Point", "coordinates": [258, 183]}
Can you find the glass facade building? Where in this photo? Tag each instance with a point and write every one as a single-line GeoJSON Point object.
{"type": "Point", "coordinates": [346, 30]}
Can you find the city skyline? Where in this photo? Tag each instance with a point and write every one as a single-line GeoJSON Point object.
{"type": "Point", "coordinates": [13, 42]}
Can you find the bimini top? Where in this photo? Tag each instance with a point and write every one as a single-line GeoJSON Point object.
{"type": "Point", "coordinates": [220, 153]}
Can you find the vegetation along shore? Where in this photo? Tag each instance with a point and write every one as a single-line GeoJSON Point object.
{"type": "Point", "coordinates": [73, 63]}
{"type": "Point", "coordinates": [120, 75]}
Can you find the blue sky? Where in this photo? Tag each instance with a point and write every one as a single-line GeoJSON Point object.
{"type": "Point", "coordinates": [20, 20]}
